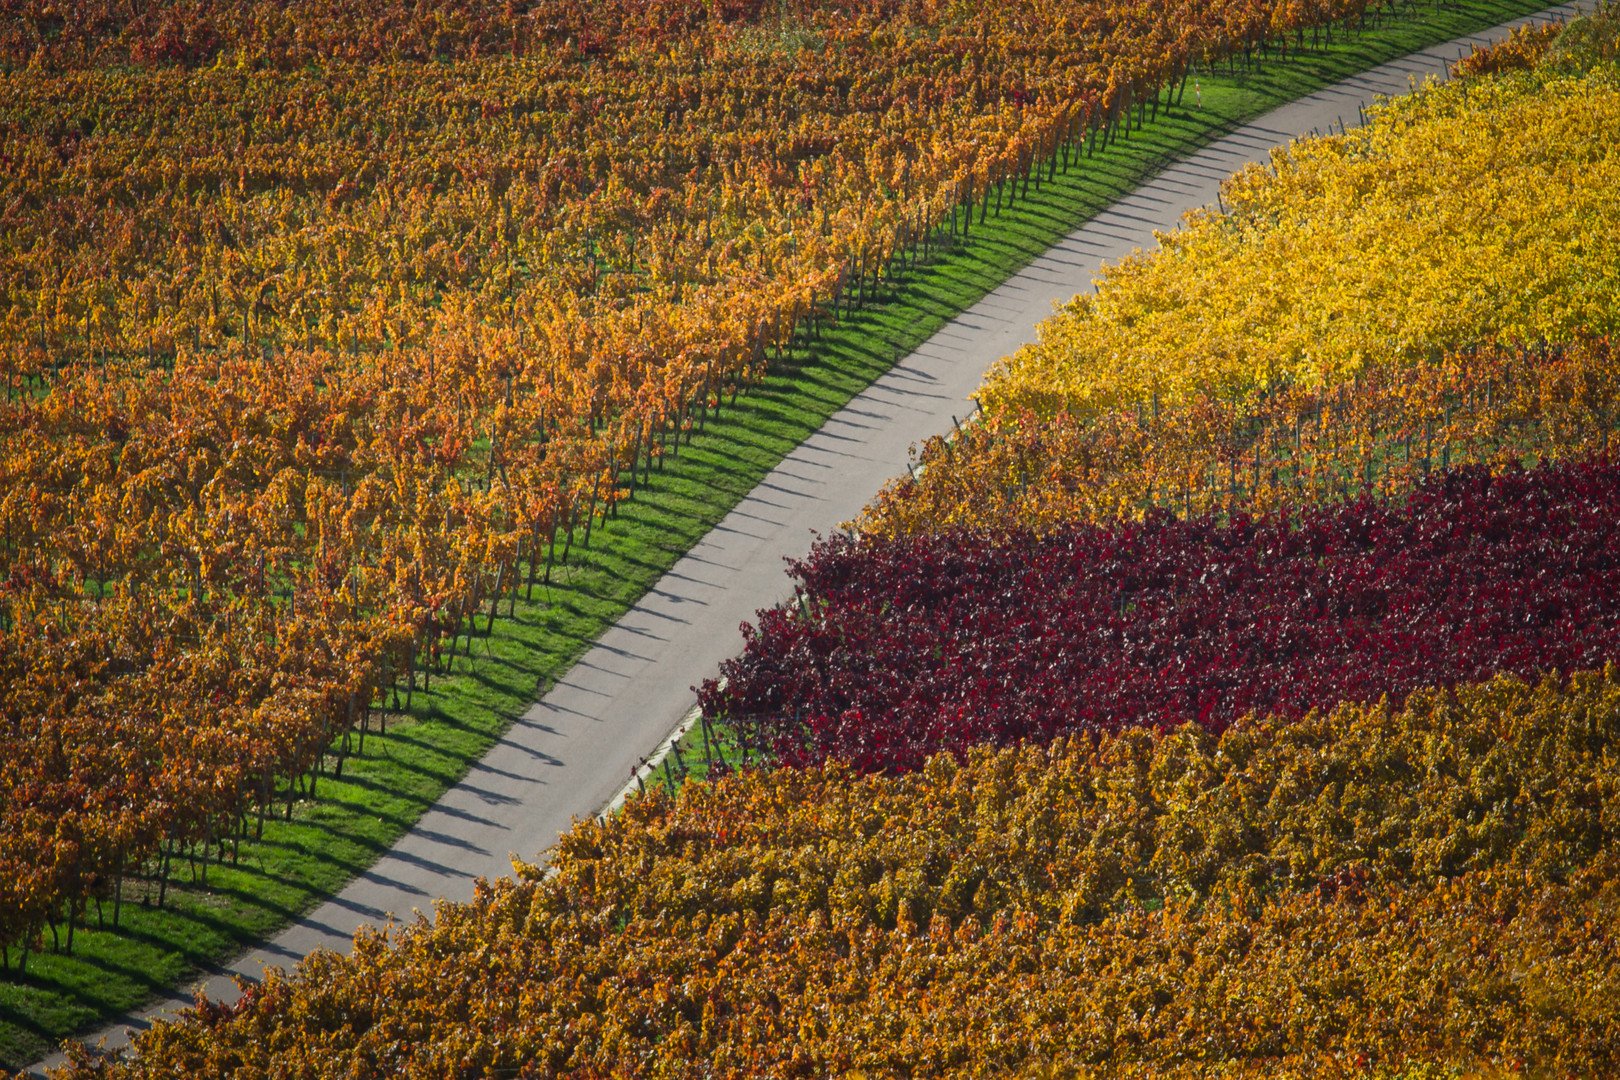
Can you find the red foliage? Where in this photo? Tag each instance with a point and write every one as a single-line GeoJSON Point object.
{"type": "Point", "coordinates": [899, 648]}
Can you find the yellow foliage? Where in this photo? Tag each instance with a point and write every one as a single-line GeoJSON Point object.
{"type": "Point", "coordinates": [1437, 287]}
{"type": "Point", "coordinates": [1475, 211]}
{"type": "Point", "coordinates": [1381, 433]}
{"type": "Point", "coordinates": [1366, 893]}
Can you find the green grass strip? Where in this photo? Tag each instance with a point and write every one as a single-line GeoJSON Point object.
{"type": "Point", "coordinates": [301, 862]}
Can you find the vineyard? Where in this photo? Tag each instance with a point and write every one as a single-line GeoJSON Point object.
{"type": "Point", "coordinates": [316, 355]}
{"type": "Point", "coordinates": [1238, 686]}
{"type": "Point", "coordinates": [896, 650]}
{"type": "Point", "coordinates": [1435, 287]}
{"type": "Point", "coordinates": [1356, 890]}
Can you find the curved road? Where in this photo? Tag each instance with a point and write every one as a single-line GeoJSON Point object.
{"type": "Point", "coordinates": [569, 755]}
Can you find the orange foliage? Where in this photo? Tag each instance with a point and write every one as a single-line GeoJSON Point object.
{"type": "Point", "coordinates": [1346, 896]}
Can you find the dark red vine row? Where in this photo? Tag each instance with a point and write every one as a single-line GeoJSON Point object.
{"type": "Point", "coordinates": [894, 650]}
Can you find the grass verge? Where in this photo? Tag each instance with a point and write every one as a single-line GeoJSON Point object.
{"type": "Point", "coordinates": [301, 861]}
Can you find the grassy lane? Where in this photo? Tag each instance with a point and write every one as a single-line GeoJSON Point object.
{"type": "Point", "coordinates": [331, 839]}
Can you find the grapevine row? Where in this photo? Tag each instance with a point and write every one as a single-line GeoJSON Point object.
{"type": "Point", "coordinates": [1379, 434]}
{"type": "Point", "coordinates": [1368, 890]}
{"type": "Point", "coordinates": [312, 360]}
{"type": "Point", "coordinates": [1429, 288]}
{"type": "Point", "coordinates": [894, 650]}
